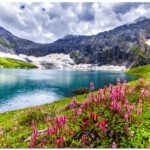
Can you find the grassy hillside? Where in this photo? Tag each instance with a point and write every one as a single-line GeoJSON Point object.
{"type": "Point", "coordinates": [13, 63]}
{"type": "Point", "coordinates": [117, 116]}
{"type": "Point", "coordinates": [142, 70]}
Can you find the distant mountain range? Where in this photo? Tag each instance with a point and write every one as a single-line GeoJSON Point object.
{"type": "Point", "coordinates": [124, 45]}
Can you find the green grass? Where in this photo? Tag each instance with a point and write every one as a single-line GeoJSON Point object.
{"type": "Point", "coordinates": [13, 63]}
{"type": "Point", "coordinates": [143, 71]}
{"type": "Point", "coordinates": [19, 118]}
{"type": "Point", "coordinates": [7, 117]}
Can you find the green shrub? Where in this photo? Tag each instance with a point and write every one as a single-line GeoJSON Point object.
{"type": "Point", "coordinates": [135, 50]}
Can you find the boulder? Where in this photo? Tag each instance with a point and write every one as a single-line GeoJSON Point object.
{"type": "Point", "coordinates": [81, 91]}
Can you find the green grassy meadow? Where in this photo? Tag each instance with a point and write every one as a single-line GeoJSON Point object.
{"type": "Point", "coordinates": [13, 63]}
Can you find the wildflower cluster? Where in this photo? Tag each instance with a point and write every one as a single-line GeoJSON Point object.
{"type": "Point", "coordinates": [87, 125]}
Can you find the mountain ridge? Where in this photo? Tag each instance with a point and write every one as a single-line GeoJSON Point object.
{"type": "Point", "coordinates": [123, 45]}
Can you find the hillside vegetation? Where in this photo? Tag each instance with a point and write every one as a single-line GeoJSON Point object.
{"type": "Point", "coordinates": [13, 63]}
{"type": "Point", "coordinates": [142, 70]}
{"type": "Point", "coordinates": [116, 116]}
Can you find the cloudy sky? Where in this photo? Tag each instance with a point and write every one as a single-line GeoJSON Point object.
{"type": "Point", "coordinates": [46, 22]}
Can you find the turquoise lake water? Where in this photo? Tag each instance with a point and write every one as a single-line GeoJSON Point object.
{"type": "Point", "coordinates": [21, 88]}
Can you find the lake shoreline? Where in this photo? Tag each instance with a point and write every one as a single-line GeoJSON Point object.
{"type": "Point", "coordinates": [30, 87]}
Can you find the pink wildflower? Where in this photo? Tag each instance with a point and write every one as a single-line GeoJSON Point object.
{"type": "Point", "coordinates": [49, 130]}
{"type": "Point", "coordinates": [87, 123]}
{"type": "Point", "coordinates": [111, 88]}
{"type": "Point", "coordinates": [126, 117]}
{"type": "Point", "coordinates": [97, 99]}
{"type": "Point", "coordinates": [126, 103]}
{"type": "Point", "coordinates": [131, 106]}
{"type": "Point", "coordinates": [95, 117]}
{"type": "Point", "coordinates": [79, 112]}
{"type": "Point", "coordinates": [118, 81]}
{"type": "Point", "coordinates": [113, 105]}
{"type": "Point", "coordinates": [126, 128]}
{"type": "Point", "coordinates": [34, 134]}
{"type": "Point", "coordinates": [32, 145]}
{"type": "Point", "coordinates": [149, 95]}
{"type": "Point", "coordinates": [119, 106]}
{"type": "Point", "coordinates": [59, 141]}
{"type": "Point", "coordinates": [15, 128]}
{"type": "Point", "coordinates": [100, 92]}
{"type": "Point", "coordinates": [92, 115]}
{"type": "Point", "coordinates": [82, 126]}
{"type": "Point", "coordinates": [99, 124]}
{"type": "Point", "coordinates": [42, 144]}
{"type": "Point", "coordinates": [55, 130]}
{"type": "Point", "coordinates": [105, 89]}
{"type": "Point", "coordinates": [140, 103]}
{"type": "Point", "coordinates": [92, 97]}
{"type": "Point", "coordinates": [143, 92]}
{"type": "Point", "coordinates": [62, 138]}
{"type": "Point", "coordinates": [60, 120]}
{"type": "Point", "coordinates": [114, 145]}
{"type": "Point", "coordinates": [129, 112]}
{"type": "Point", "coordinates": [139, 111]}
{"type": "Point", "coordinates": [103, 97]}
{"type": "Point", "coordinates": [131, 91]}
{"type": "Point", "coordinates": [92, 86]}
{"type": "Point", "coordinates": [126, 86]}
{"type": "Point", "coordinates": [120, 87]}
{"type": "Point", "coordinates": [103, 125]}
{"type": "Point", "coordinates": [69, 133]}
{"type": "Point", "coordinates": [84, 139]}
{"type": "Point", "coordinates": [73, 103]}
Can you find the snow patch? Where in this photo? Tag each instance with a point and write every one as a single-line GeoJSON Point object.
{"type": "Point", "coordinates": [61, 61]}
{"type": "Point", "coordinates": [148, 42]}
{"type": "Point", "coordinates": [9, 55]}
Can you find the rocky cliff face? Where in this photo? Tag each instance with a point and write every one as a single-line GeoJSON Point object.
{"type": "Point", "coordinates": [124, 45]}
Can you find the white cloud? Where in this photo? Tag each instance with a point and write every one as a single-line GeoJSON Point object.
{"type": "Point", "coordinates": [46, 22]}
